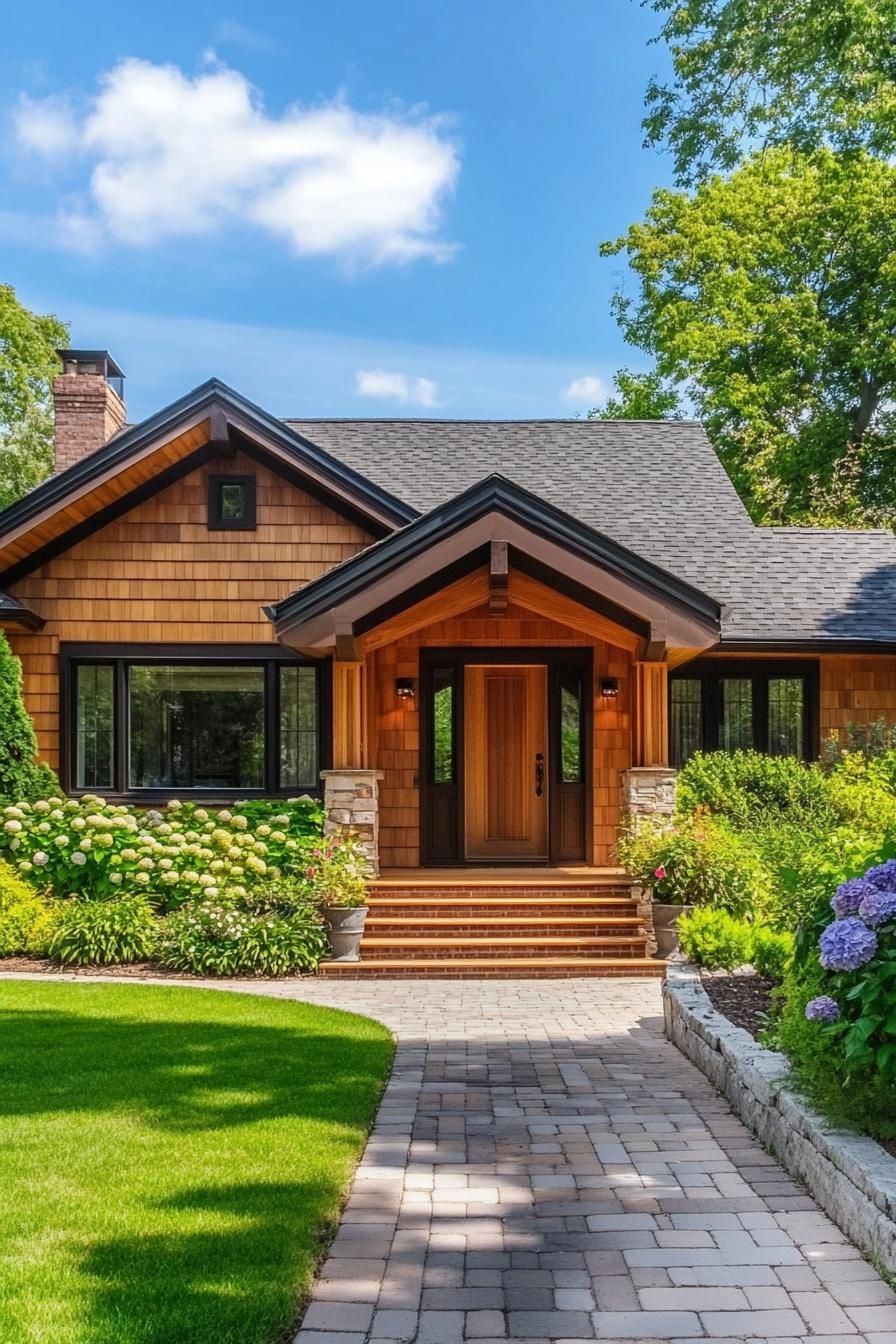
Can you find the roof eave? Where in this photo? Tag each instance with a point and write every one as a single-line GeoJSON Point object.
{"type": "Point", "coordinates": [53, 493]}
{"type": "Point", "coordinates": [500, 496]}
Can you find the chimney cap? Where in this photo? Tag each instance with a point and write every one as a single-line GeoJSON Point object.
{"type": "Point", "coordinates": [105, 364]}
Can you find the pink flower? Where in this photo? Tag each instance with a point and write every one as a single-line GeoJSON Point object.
{"type": "Point", "coordinates": [660, 872]}
{"type": "Point", "coordinates": [309, 873]}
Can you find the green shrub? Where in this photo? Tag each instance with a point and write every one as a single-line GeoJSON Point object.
{"type": "Point", "coordinates": [870, 740]}
{"type": "Point", "coordinates": [25, 918]}
{"type": "Point", "coordinates": [772, 952]}
{"type": "Point", "coordinates": [104, 933]}
{"type": "Point", "coordinates": [714, 939]}
{"type": "Point", "coordinates": [746, 786]}
{"type": "Point", "coordinates": [847, 1091]}
{"type": "Point", "coordinates": [21, 777]}
{"type": "Point", "coordinates": [695, 861]}
{"type": "Point", "coordinates": [217, 938]}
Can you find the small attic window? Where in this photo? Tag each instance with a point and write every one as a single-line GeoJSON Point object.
{"type": "Point", "coordinates": [231, 503]}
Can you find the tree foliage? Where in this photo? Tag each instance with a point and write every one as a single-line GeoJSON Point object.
{"type": "Point", "coordinates": [748, 73]}
{"type": "Point", "coordinates": [21, 778]}
{"type": "Point", "coordinates": [639, 396]}
{"type": "Point", "coordinates": [28, 363]}
{"type": "Point", "coordinates": [771, 296]}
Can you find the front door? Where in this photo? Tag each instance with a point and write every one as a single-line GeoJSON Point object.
{"type": "Point", "coordinates": [506, 762]}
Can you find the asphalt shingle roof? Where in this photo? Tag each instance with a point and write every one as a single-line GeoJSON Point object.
{"type": "Point", "coordinates": [658, 488]}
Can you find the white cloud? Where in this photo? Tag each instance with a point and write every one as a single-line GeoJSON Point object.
{"type": "Point", "coordinates": [170, 155]}
{"type": "Point", "coordinates": [588, 388]}
{"type": "Point", "coordinates": [397, 387]}
{"type": "Point", "coordinates": [45, 126]}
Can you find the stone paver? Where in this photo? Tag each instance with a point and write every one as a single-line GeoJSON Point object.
{"type": "Point", "coordinates": [546, 1166]}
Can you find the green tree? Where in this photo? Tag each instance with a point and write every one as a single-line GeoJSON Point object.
{"type": "Point", "coordinates": [749, 73]}
{"type": "Point", "coordinates": [28, 363]}
{"type": "Point", "coordinates": [770, 296]}
{"type": "Point", "coordinates": [639, 396]}
{"type": "Point", "coordinates": [21, 778]}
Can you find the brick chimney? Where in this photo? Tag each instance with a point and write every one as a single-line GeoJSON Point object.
{"type": "Point", "coordinates": [88, 404]}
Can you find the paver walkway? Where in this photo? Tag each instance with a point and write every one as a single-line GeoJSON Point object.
{"type": "Point", "coordinates": [545, 1166]}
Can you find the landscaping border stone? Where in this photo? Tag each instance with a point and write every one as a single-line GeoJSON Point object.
{"type": "Point", "coordinates": [852, 1177]}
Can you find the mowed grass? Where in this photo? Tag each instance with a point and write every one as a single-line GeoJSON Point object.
{"type": "Point", "coordinates": [172, 1160]}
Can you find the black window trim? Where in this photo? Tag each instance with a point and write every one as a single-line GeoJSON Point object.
{"type": "Point", "coordinates": [711, 672]}
{"type": "Point", "coordinates": [216, 520]}
{"type": "Point", "coordinates": [121, 656]}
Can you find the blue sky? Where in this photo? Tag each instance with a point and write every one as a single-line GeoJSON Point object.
{"type": "Point", "coordinates": [201, 191]}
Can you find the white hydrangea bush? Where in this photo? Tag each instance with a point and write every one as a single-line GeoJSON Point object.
{"type": "Point", "coordinates": [91, 848]}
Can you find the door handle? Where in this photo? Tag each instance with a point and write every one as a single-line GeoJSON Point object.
{"type": "Point", "coordinates": [539, 775]}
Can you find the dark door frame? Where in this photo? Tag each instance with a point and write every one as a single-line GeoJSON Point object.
{"type": "Point", "coordinates": [442, 811]}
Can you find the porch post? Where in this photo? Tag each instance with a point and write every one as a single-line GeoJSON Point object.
{"type": "Point", "coordinates": [351, 791]}
{"type": "Point", "coordinates": [348, 715]}
{"type": "Point", "coordinates": [649, 787]}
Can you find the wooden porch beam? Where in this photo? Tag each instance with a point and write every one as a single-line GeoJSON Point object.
{"type": "Point", "coordinates": [348, 648]}
{"type": "Point", "coordinates": [463, 595]}
{"type": "Point", "coordinates": [538, 597]}
{"type": "Point", "coordinates": [498, 577]}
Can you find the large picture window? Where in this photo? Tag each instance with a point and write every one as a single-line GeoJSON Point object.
{"type": "Point", "coordinates": [738, 706]}
{"type": "Point", "coordinates": [233, 726]}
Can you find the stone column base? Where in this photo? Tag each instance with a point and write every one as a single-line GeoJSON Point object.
{"type": "Point", "coordinates": [351, 805]}
{"type": "Point", "coordinates": [649, 790]}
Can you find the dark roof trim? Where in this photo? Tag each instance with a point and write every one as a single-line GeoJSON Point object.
{"type": "Point", "coordinates": [824, 644]}
{"type": "Point", "coordinates": [493, 494]}
{"type": "Point", "coordinates": [52, 493]}
{"type": "Point", "coordinates": [11, 609]}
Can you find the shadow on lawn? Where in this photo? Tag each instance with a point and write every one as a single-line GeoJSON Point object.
{"type": "Point", "coordinates": [186, 1075]}
{"type": "Point", "coordinates": [234, 1272]}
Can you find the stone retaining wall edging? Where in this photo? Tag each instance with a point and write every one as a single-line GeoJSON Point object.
{"type": "Point", "coordinates": [852, 1178]}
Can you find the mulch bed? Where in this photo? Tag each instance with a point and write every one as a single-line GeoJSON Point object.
{"type": "Point", "coordinates": [744, 998]}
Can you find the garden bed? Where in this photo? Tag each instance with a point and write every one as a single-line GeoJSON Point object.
{"type": "Point", "coordinates": [135, 970]}
{"type": "Point", "coordinates": [742, 996]}
{"type": "Point", "coordinates": [851, 1176]}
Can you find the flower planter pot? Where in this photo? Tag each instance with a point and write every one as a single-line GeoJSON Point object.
{"type": "Point", "coordinates": [345, 927]}
{"type": "Point", "coordinates": [665, 921]}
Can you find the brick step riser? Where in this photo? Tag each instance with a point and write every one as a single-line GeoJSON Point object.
{"type": "Point", "coordinates": [370, 970]}
{"type": "Point", "coordinates": [508, 892]}
{"type": "Point", "coordinates": [506, 929]}
{"type": "Point", "coordinates": [406, 952]}
{"type": "Point", "coordinates": [505, 911]}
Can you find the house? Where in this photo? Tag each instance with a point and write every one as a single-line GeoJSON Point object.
{"type": "Point", "coordinates": [483, 641]}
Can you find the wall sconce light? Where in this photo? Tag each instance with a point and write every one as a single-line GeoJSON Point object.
{"type": "Point", "coordinates": [404, 690]}
{"type": "Point", "coordinates": [609, 687]}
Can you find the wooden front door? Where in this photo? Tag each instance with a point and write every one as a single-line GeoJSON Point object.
{"type": "Point", "coordinates": [506, 762]}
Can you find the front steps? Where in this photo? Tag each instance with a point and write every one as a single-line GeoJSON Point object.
{"type": "Point", "coordinates": [502, 927]}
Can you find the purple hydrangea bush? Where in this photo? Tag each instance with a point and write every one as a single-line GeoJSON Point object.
{"type": "Point", "coordinates": [823, 1009]}
{"type": "Point", "coordinates": [857, 953]}
{"type": "Point", "coordinates": [847, 944]}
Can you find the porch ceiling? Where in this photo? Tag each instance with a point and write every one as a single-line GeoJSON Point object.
{"type": "Point", "coordinates": [558, 567]}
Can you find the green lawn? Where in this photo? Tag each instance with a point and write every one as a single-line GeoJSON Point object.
{"type": "Point", "coordinates": [171, 1160]}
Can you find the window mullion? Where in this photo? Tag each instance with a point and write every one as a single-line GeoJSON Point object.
{"type": "Point", "coordinates": [760, 713]}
